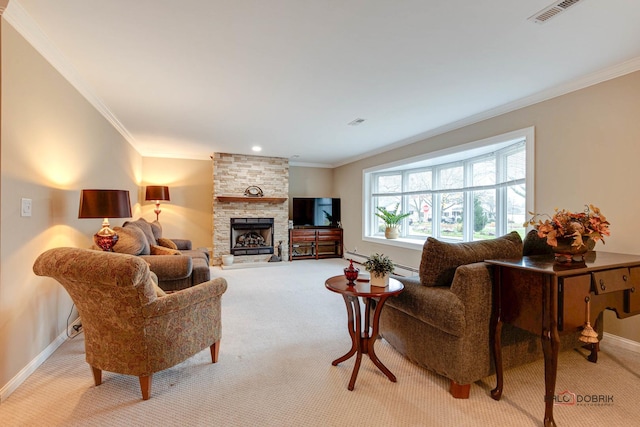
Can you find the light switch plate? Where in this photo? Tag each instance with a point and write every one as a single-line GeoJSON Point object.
{"type": "Point", "coordinates": [25, 209]}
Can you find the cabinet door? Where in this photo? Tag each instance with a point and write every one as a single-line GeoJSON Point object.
{"type": "Point", "coordinates": [572, 307]}
{"type": "Point", "coordinates": [632, 296]}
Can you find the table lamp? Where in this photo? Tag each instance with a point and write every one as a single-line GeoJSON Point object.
{"type": "Point", "coordinates": [157, 193]}
{"type": "Point", "coordinates": [105, 204]}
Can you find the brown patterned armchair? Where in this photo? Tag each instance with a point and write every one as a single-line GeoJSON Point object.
{"type": "Point", "coordinates": [128, 328]}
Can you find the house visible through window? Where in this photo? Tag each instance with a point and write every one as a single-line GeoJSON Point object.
{"type": "Point", "coordinates": [472, 192]}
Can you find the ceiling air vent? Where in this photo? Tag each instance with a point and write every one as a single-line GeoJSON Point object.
{"type": "Point", "coordinates": [355, 122]}
{"type": "Point", "coordinates": [550, 11]}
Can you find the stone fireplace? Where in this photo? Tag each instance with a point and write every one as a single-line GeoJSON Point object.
{"type": "Point", "coordinates": [232, 175]}
{"type": "Point", "coordinates": [251, 236]}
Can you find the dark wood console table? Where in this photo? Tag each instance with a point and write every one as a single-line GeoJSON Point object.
{"type": "Point", "coordinates": [538, 295]}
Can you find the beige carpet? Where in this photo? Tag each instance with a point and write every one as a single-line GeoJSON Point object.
{"type": "Point", "coordinates": [281, 330]}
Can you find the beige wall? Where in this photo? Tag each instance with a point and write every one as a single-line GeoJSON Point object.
{"type": "Point", "coordinates": [188, 214]}
{"type": "Point", "coordinates": [54, 143]}
{"type": "Point", "coordinates": [587, 151]}
{"type": "Point", "coordinates": [310, 182]}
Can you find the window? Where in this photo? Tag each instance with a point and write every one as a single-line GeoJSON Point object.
{"type": "Point", "coordinates": [473, 192]}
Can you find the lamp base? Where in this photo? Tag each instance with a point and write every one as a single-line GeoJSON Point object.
{"type": "Point", "coordinates": [106, 238]}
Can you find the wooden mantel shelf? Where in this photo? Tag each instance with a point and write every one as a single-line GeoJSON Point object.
{"type": "Point", "coordinates": [237, 199]}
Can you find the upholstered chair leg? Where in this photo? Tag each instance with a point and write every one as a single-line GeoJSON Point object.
{"type": "Point", "coordinates": [97, 375]}
{"type": "Point", "coordinates": [459, 391]}
{"type": "Point", "coordinates": [145, 386]}
{"type": "Point", "coordinates": [215, 349]}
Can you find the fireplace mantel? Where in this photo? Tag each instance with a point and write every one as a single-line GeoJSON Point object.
{"type": "Point", "coordinates": [237, 199]}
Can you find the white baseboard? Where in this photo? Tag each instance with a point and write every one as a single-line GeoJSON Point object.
{"type": "Point", "coordinates": [16, 381]}
{"type": "Point", "coordinates": [615, 340]}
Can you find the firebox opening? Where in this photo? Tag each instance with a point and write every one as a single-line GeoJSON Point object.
{"type": "Point", "coordinates": [251, 236]}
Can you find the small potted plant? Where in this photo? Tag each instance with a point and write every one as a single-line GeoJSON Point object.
{"type": "Point", "coordinates": [379, 266]}
{"type": "Point", "coordinates": [391, 220]}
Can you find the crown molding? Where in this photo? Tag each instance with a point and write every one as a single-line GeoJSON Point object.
{"type": "Point", "coordinates": [609, 73]}
{"type": "Point", "coordinates": [19, 19]}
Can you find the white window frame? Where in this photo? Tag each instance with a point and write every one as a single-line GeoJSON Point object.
{"type": "Point", "coordinates": [460, 152]}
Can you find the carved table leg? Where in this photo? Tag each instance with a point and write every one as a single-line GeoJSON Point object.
{"type": "Point", "coordinates": [496, 393]}
{"type": "Point", "coordinates": [358, 342]}
{"type": "Point", "coordinates": [352, 333]}
{"type": "Point", "coordinates": [372, 340]}
{"type": "Point", "coordinates": [496, 329]}
{"type": "Point", "coordinates": [550, 347]}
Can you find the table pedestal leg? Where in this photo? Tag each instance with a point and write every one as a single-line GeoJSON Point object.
{"type": "Point", "coordinates": [371, 339]}
{"type": "Point", "coordinates": [362, 340]}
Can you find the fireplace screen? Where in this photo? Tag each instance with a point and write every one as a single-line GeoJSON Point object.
{"type": "Point", "coordinates": [251, 236]}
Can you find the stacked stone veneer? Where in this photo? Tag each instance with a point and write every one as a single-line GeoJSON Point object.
{"type": "Point", "coordinates": [232, 174]}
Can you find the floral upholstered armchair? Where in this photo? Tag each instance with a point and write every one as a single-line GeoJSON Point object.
{"type": "Point", "coordinates": [131, 327]}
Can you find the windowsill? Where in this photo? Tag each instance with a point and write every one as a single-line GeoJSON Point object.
{"type": "Point", "coordinates": [399, 242]}
{"type": "Point", "coordinates": [403, 242]}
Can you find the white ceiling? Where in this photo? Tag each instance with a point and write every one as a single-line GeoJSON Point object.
{"type": "Point", "coordinates": [189, 78]}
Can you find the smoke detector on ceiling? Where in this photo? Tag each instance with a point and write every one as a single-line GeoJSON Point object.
{"type": "Point", "coordinates": [550, 11]}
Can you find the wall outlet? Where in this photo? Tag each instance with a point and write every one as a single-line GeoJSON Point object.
{"type": "Point", "coordinates": [25, 208]}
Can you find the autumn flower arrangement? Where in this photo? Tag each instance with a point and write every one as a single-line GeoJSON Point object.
{"type": "Point", "coordinates": [569, 225]}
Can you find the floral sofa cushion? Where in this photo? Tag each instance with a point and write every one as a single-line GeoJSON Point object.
{"type": "Point", "coordinates": [440, 259]}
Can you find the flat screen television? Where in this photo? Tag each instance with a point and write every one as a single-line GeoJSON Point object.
{"type": "Point", "coordinates": [315, 211]}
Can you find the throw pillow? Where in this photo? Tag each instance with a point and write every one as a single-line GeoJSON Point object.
{"type": "Point", "coordinates": [156, 229]}
{"type": "Point", "coordinates": [143, 225]}
{"type": "Point", "coordinates": [440, 259]}
{"type": "Point", "coordinates": [131, 240]}
{"type": "Point", "coordinates": [167, 243]}
{"type": "Point", "coordinates": [534, 245]}
{"type": "Point", "coordinates": [161, 250]}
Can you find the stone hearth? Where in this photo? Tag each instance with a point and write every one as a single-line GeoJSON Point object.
{"type": "Point", "coordinates": [232, 174]}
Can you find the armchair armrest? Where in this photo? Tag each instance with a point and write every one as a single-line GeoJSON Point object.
{"type": "Point", "coordinates": [473, 284]}
{"type": "Point", "coordinates": [182, 244]}
{"type": "Point", "coordinates": [180, 300]}
{"type": "Point", "coordinates": [169, 267]}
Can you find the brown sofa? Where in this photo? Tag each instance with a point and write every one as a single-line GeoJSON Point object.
{"type": "Point", "coordinates": [174, 261]}
{"type": "Point", "coordinates": [442, 319]}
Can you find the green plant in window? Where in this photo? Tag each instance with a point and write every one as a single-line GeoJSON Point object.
{"type": "Point", "coordinates": [391, 218]}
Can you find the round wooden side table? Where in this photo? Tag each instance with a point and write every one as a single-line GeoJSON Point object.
{"type": "Point", "coordinates": [363, 338]}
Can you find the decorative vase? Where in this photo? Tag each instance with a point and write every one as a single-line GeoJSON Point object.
{"type": "Point", "coordinates": [227, 260]}
{"type": "Point", "coordinates": [351, 273]}
{"type": "Point", "coordinates": [391, 232]}
{"type": "Point", "coordinates": [379, 281]}
{"type": "Point", "coordinates": [566, 253]}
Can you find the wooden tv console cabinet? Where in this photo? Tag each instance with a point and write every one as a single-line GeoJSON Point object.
{"type": "Point", "coordinates": [315, 243]}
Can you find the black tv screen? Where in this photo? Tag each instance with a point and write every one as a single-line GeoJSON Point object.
{"type": "Point", "coordinates": [316, 211]}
